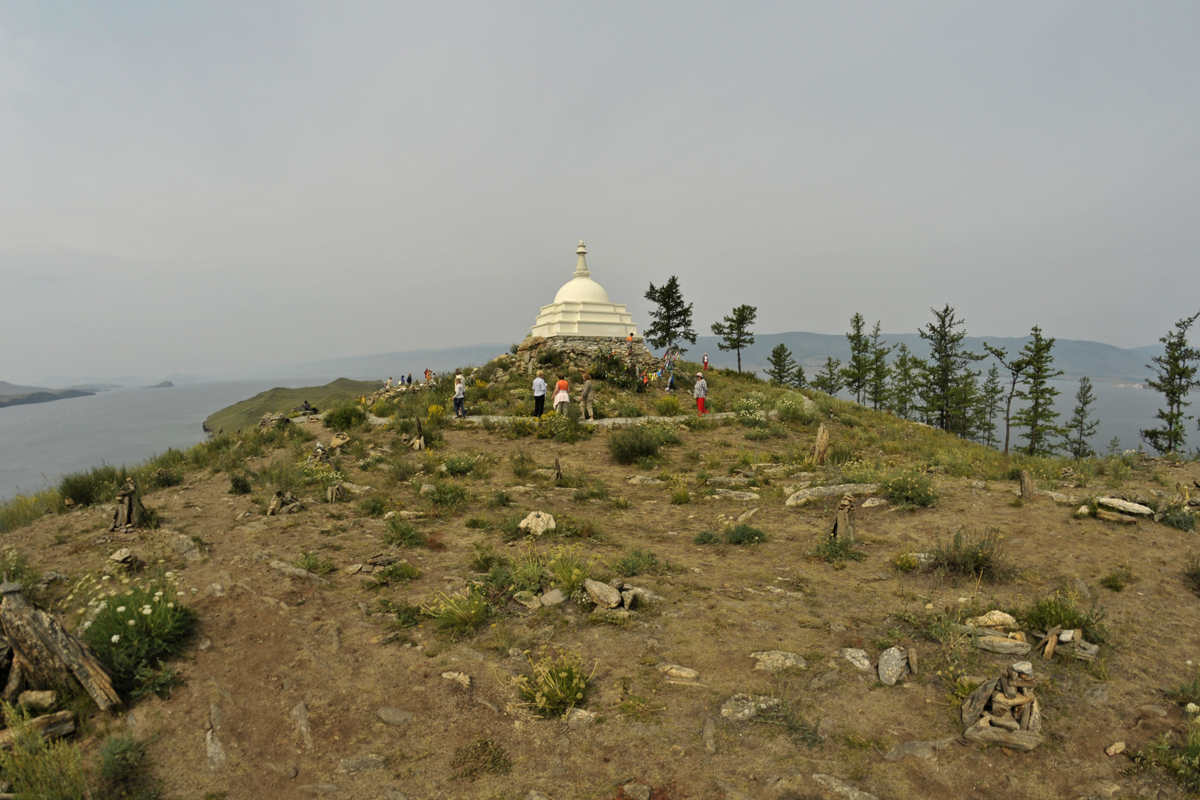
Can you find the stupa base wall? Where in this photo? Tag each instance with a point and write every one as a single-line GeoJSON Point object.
{"type": "Point", "coordinates": [579, 352]}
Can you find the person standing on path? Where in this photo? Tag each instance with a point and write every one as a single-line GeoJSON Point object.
{"type": "Point", "coordinates": [706, 362]}
{"type": "Point", "coordinates": [587, 397]}
{"type": "Point", "coordinates": [388, 383]}
{"type": "Point", "coordinates": [460, 394]}
{"type": "Point", "coordinates": [700, 392]}
{"type": "Point", "coordinates": [562, 394]}
{"type": "Point", "coordinates": [539, 395]}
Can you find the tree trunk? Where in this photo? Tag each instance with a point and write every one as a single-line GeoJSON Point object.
{"type": "Point", "coordinates": [50, 726]}
{"type": "Point", "coordinates": [47, 653]}
{"type": "Point", "coordinates": [1027, 490]}
{"type": "Point", "coordinates": [821, 446]}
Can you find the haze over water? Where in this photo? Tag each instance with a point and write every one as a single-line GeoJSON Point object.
{"type": "Point", "coordinates": [39, 443]}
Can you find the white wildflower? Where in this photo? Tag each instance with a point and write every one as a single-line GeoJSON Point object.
{"type": "Point", "coordinates": [116, 638]}
{"type": "Point", "coordinates": [1192, 708]}
{"type": "Point", "coordinates": [170, 605]}
{"type": "Point", "coordinates": [120, 609]}
{"type": "Point", "coordinates": [132, 622]}
{"type": "Point", "coordinates": [146, 610]}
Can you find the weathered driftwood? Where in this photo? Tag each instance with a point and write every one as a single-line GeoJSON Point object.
{"type": "Point", "coordinates": [1027, 489]}
{"type": "Point", "coordinates": [47, 653]}
{"type": "Point", "coordinates": [821, 446]}
{"type": "Point", "coordinates": [50, 726]}
{"type": "Point", "coordinates": [15, 684]}
{"type": "Point", "coordinates": [843, 525]}
{"type": "Point", "coordinates": [1025, 741]}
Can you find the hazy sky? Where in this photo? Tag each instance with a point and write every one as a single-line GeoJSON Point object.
{"type": "Point", "coordinates": [200, 186]}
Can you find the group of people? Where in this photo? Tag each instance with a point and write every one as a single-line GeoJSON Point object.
{"type": "Point", "coordinates": [401, 381]}
{"type": "Point", "coordinates": [562, 395]}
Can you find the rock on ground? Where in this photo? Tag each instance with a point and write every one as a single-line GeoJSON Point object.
{"type": "Point", "coordinates": [742, 707]}
{"type": "Point", "coordinates": [776, 660]}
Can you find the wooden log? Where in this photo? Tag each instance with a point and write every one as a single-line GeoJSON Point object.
{"type": "Point", "coordinates": [48, 654]}
{"type": "Point", "coordinates": [821, 446]}
{"type": "Point", "coordinates": [1025, 741]}
{"type": "Point", "coordinates": [1027, 489]}
{"type": "Point", "coordinates": [50, 726]}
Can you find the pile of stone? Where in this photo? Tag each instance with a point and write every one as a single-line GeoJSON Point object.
{"type": "Point", "coordinates": [284, 503]}
{"type": "Point", "coordinates": [998, 632]}
{"type": "Point", "coordinates": [578, 353]}
{"type": "Point", "coordinates": [616, 599]}
{"type": "Point", "coordinates": [1004, 710]}
{"type": "Point", "coordinates": [893, 665]}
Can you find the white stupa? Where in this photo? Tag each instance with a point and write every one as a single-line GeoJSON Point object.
{"type": "Point", "coordinates": [582, 308]}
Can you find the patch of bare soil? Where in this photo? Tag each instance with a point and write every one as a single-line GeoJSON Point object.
{"type": "Point", "coordinates": [288, 676]}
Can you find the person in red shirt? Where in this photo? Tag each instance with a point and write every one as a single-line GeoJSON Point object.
{"type": "Point", "coordinates": [562, 394]}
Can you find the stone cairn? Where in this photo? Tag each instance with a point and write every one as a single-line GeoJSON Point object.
{"type": "Point", "coordinates": [129, 513]}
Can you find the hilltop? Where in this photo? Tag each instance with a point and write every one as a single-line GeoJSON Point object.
{"type": "Point", "coordinates": [370, 641]}
{"type": "Point", "coordinates": [281, 400]}
{"type": "Point", "coordinates": [13, 395]}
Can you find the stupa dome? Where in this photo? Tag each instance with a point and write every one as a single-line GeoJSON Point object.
{"type": "Point", "coordinates": [582, 308]}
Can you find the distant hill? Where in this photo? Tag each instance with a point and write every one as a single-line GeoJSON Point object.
{"type": "Point", "coordinates": [1096, 360]}
{"type": "Point", "coordinates": [163, 385]}
{"type": "Point", "coordinates": [247, 413]}
{"type": "Point", "coordinates": [13, 395]}
{"type": "Point", "coordinates": [384, 365]}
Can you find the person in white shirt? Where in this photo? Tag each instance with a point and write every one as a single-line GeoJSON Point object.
{"type": "Point", "coordinates": [539, 395]}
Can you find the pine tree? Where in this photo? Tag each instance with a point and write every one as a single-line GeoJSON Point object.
{"type": "Point", "coordinates": [671, 320]}
{"type": "Point", "coordinates": [1038, 416]}
{"type": "Point", "coordinates": [1174, 377]}
{"type": "Point", "coordinates": [989, 405]}
{"type": "Point", "coordinates": [1081, 426]}
{"type": "Point", "coordinates": [783, 366]}
{"type": "Point", "coordinates": [880, 372]}
{"type": "Point", "coordinates": [903, 392]}
{"type": "Point", "coordinates": [735, 331]}
{"type": "Point", "coordinates": [1016, 369]}
{"type": "Point", "coordinates": [798, 378]}
{"type": "Point", "coordinates": [857, 371]}
{"type": "Point", "coordinates": [829, 379]}
{"type": "Point", "coordinates": [941, 384]}
{"type": "Point", "coordinates": [964, 415]}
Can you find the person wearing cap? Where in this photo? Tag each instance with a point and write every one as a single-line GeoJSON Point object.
{"type": "Point", "coordinates": [700, 391]}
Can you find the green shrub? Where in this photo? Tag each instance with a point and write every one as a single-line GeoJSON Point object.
{"type": "Point", "coordinates": [482, 757]}
{"type": "Point", "coordinates": [757, 435]}
{"type": "Point", "coordinates": [680, 497]}
{"type": "Point", "coordinates": [448, 496]}
{"type": "Point", "coordinates": [314, 563]}
{"type": "Point", "coordinates": [373, 507]}
{"type": "Point", "coordinates": [1062, 610]}
{"type": "Point", "coordinates": [636, 562]}
{"type": "Point", "coordinates": [1178, 518]}
{"type": "Point", "coordinates": [967, 555]}
{"type": "Point", "coordinates": [123, 770]}
{"type": "Point", "coordinates": [41, 770]}
{"type": "Point", "coordinates": [97, 485]}
{"type": "Point", "coordinates": [555, 685]}
{"type": "Point", "coordinates": [24, 510]}
{"type": "Point", "coordinates": [458, 615]}
{"type": "Point", "coordinates": [705, 537]}
{"type": "Point", "coordinates": [1182, 761]}
{"type": "Point", "coordinates": [909, 489]}
{"type": "Point", "coordinates": [485, 557]}
{"type": "Point", "coordinates": [522, 463]}
{"type": "Point", "coordinates": [1118, 579]}
{"type": "Point", "coordinates": [133, 632]}
{"type": "Point", "coordinates": [164, 478]}
{"type": "Point", "coordinates": [345, 417]}
{"type": "Point", "coordinates": [550, 357]}
{"type": "Point", "coordinates": [633, 443]}
{"type": "Point", "coordinates": [405, 614]}
{"type": "Point", "coordinates": [500, 499]}
{"type": "Point", "coordinates": [568, 570]}
{"type": "Point", "coordinates": [402, 533]}
{"type": "Point", "coordinates": [792, 408]}
{"type": "Point", "coordinates": [668, 407]}
{"type": "Point", "coordinates": [573, 527]}
{"type": "Point", "coordinates": [459, 464]}
{"type": "Point", "coordinates": [239, 484]}
{"type": "Point", "coordinates": [744, 534]}
{"type": "Point", "coordinates": [1187, 691]}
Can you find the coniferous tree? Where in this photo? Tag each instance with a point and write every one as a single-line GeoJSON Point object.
{"type": "Point", "coordinates": [989, 405]}
{"type": "Point", "coordinates": [1081, 426]}
{"type": "Point", "coordinates": [857, 371]}
{"type": "Point", "coordinates": [880, 372]}
{"type": "Point", "coordinates": [735, 331]}
{"type": "Point", "coordinates": [905, 375]}
{"type": "Point", "coordinates": [1016, 369]}
{"type": "Point", "coordinates": [1174, 377]}
{"type": "Point", "coordinates": [672, 319]}
{"type": "Point", "coordinates": [942, 387]}
{"type": "Point", "coordinates": [783, 366]}
{"type": "Point", "coordinates": [1038, 415]}
{"type": "Point", "coordinates": [798, 377]}
{"type": "Point", "coordinates": [829, 379]}
{"type": "Point", "coordinates": [964, 415]}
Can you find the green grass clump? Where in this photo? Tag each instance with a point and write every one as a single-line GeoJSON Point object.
{"type": "Point", "coordinates": [482, 757]}
{"type": "Point", "coordinates": [555, 685]}
{"type": "Point", "coordinates": [744, 534]}
{"type": "Point", "coordinates": [345, 417]}
{"type": "Point", "coordinates": [837, 550]}
{"type": "Point", "coordinates": [680, 497]}
{"type": "Point", "coordinates": [394, 574]}
{"type": "Point", "coordinates": [706, 537]}
{"type": "Point", "coordinates": [458, 615]}
{"type": "Point", "coordinates": [1182, 761]}
{"type": "Point", "coordinates": [448, 496]}
{"type": "Point", "coordinates": [24, 510]}
{"type": "Point", "coordinates": [1191, 573]}
{"type": "Point", "coordinates": [135, 631]}
{"type": "Point", "coordinates": [668, 407]}
{"type": "Point", "coordinates": [485, 557]}
{"type": "Point", "coordinates": [568, 570]}
{"type": "Point", "coordinates": [314, 563]}
{"type": "Point", "coordinates": [522, 463]}
{"type": "Point", "coordinates": [636, 562]}
{"type": "Point", "coordinates": [633, 443]}
{"type": "Point", "coordinates": [124, 770]}
{"type": "Point", "coordinates": [1118, 579]}
{"type": "Point", "coordinates": [966, 555]}
{"type": "Point", "coordinates": [459, 464]}
{"type": "Point", "coordinates": [1062, 610]}
{"type": "Point", "coordinates": [402, 533]}
{"type": "Point", "coordinates": [573, 527]}
{"type": "Point", "coordinates": [1187, 691]}
{"type": "Point", "coordinates": [239, 484]}
{"type": "Point", "coordinates": [405, 614]}
{"type": "Point", "coordinates": [40, 769]}
{"type": "Point", "coordinates": [501, 499]}
{"type": "Point", "coordinates": [909, 490]}
{"type": "Point", "coordinates": [89, 487]}
{"type": "Point", "coordinates": [1181, 519]}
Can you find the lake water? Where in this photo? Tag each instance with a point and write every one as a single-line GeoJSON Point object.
{"type": "Point", "coordinates": [39, 443]}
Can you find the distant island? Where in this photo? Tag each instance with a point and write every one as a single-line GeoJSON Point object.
{"type": "Point", "coordinates": [13, 395]}
{"type": "Point", "coordinates": [163, 385]}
